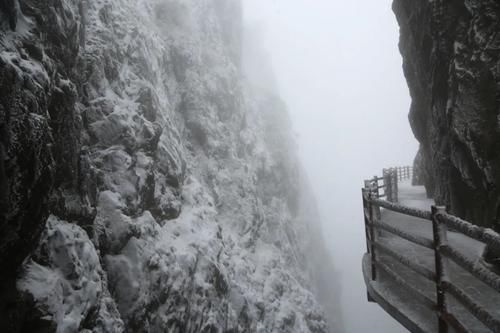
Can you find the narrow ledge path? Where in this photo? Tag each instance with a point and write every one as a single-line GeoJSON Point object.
{"type": "Point", "coordinates": [395, 299]}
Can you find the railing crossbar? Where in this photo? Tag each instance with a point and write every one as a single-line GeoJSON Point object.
{"type": "Point", "coordinates": [473, 267]}
{"type": "Point", "coordinates": [427, 302]}
{"type": "Point", "coordinates": [477, 310]}
{"type": "Point", "coordinates": [481, 234]}
{"type": "Point", "coordinates": [405, 261]}
{"type": "Point", "coordinates": [441, 222]}
{"type": "Point", "coordinates": [422, 214]}
{"type": "Point", "coordinates": [427, 243]}
{"type": "Point", "coordinates": [454, 322]}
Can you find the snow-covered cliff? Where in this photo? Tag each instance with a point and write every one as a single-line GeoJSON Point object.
{"type": "Point", "coordinates": [145, 185]}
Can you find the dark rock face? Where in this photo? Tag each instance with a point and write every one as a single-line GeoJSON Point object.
{"type": "Point", "coordinates": [419, 176]}
{"type": "Point", "coordinates": [9, 9]}
{"type": "Point", "coordinates": [451, 55]}
{"type": "Point", "coordinates": [38, 128]}
{"type": "Point", "coordinates": [144, 187]}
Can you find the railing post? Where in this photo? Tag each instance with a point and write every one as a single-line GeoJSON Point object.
{"type": "Point", "coordinates": [395, 186]}
{"type": "Point", "coordinates": [388, 184]}
{"type": "Point", "coordinates": [372, 236]}
{"type": "Point", "coordinates": [375, 186]}
{"type": "Point", "coordinates": [377, 194]}
{"type": "Point", "coordinates": [440, 239]}
{"type": "Point", "coordinates": [364, 195]}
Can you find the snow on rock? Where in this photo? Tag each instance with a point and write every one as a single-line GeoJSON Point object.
{"type": "Point", "coordinates": [178, 202]}
{"type": "Point", "coordinates": [451, 59]}
{"type": "Point", "coordinates": [66, 280]}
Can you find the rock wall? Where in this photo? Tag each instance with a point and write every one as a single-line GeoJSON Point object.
{"type": "Point", "coordinates": [145, 186]}
{"type": "Point", "coordinates": [451, 59]}
{"type": "Point", "coordinates": [418, 176]}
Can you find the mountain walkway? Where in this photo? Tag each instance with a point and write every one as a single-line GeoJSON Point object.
{"type": "Point", "coordinates": [423, 266]}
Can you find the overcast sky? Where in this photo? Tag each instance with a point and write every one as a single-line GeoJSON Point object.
{"type": "Point", "coordinates": [338, 68]}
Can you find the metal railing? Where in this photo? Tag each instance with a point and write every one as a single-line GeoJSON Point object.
{"type": "Point", "coordinates": [443, 251]}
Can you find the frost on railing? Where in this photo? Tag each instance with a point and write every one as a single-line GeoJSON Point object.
{"type": "Point", "coordinates": [413, 290]}
{"type": "Point", "coordinates": [427, 243]}
{"type": "Point", "coordinates": [441, 223]}
{"type": "Point", "coordinates": [473, 266]}
{"type": "Point", "coordinates": [388, 182]}
{"type": "Point", "coordinates": [488, 319]}
{"type": "Point", "coordinates": [485, 235]}
{"type": "Point", "coordinates": [426, 215]}
{"type": "Point", "coordinates": [408, 262]}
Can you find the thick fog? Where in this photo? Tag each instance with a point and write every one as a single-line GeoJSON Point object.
{"type": "Point", "coordinates": [338, 68]}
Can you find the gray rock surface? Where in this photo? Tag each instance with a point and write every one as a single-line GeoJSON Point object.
{"type": "Point", "coordinates": [451, 56]}
{"type": "Point", "coordinates": [418, 176]}
{"type": "Point", "coordinates": [146, 186]}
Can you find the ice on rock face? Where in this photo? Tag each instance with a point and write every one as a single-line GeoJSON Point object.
{"type": "Point", "coordinates": [187, 177]}
{"type": "Point", "coordinates": [66, 280]}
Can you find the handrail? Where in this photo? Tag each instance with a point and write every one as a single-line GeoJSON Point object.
{"type": "Point", "coordinates": [473, 267]}
{"type": "Point", "coordinates": [425, 215]}
{"type": "Point", "coordinates": [454, 322]}
{"type": "Point", "coordinates": [484, 235]}
{"type": "Point", "coordinates": [427, 243]}
{"type": "Point", "coordinates": [417, 268]}
{"type": "Point", "coordinates": [441, 222]}
{"type": "Point", "coordinates": [390, 179]}
{"type": "Point", "coordinates": [473, 307]}
{"type": "Point", "coordinates": [402, 282]}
